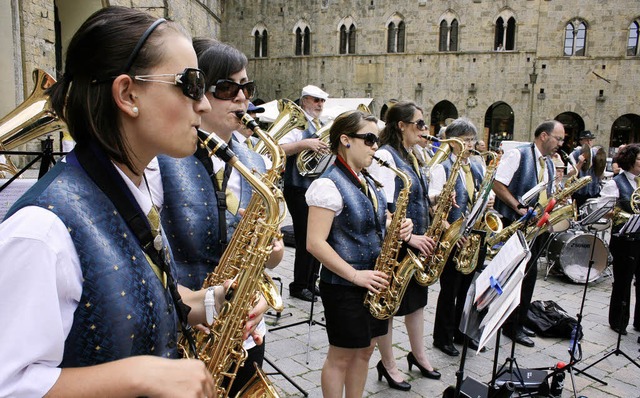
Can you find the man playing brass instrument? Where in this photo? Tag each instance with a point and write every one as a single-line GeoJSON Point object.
{"type": "Point", "coordinates": [586, 160]}
{"type": "Point", "coordinates": [520, 169]}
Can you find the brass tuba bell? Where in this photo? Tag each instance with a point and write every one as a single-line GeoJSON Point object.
{"type": "Point", "coordinates": [31, 119]}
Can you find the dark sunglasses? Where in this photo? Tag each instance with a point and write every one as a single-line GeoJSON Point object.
{"type": "Point", "coordinates": [420, 124]}
{"type": "Point", "coordinates": [191, 81]}
{"type": "Point", "coordinates": [369, 138]}
{"type": "Point", "coordinates": [228, 89]}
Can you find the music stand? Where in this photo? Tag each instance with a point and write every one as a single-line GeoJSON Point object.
{"type": "Point", "coordinates": [631, 228]}
{"type": "Point", "coordinates": [46, 156]}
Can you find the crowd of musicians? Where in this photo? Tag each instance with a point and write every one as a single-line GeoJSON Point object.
{"type": "Point", "coordinates": [105, 263]}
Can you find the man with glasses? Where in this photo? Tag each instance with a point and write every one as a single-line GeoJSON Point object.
{"type": "Point", "coordinates": [519, 170]}
{"type": "Point", "coordinates": [305, 267]}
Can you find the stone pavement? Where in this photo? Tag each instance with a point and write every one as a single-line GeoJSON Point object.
{"type": "Point", "coordinates": [287, 348]}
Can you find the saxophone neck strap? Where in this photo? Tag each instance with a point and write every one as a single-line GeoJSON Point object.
{"type": "Point", "coordinates": [103, 173]}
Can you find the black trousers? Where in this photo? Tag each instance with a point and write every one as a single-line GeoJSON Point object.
{"type": "Point", "coordinates": [254, 355]}
{"type": "Point", "coordinates": [518, 316]}
{"type": "Point", "coordinates": [626, 265]}
{"type": "Point", "coordinates": [453, 293]}
{"type": "Point", "coordinates": [305, 266]}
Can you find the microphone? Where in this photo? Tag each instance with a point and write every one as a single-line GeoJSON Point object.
{"type": "Point", "coordinates": [543, 220]}
{"type": "Point", "coordinates": [568, 159]}
{"type": "Point", "coordinates": [529, 214]}
{"type": "Point", "coordinates": [550, 205]}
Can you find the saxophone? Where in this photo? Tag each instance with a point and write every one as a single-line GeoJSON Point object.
{"type": "Point", "coordinates": [427, 267]}
{"type": "Point", "coordinates": [466, 259]}
{"type": "Point", "coordinates": [572, 185]}
{"type": "Point", "coordinates": [250, 247]}
{"type": "Point", "coordinates": [386, 303]}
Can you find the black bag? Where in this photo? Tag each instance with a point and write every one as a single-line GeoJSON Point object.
{"type": "Point", "coordinates": [548, 319]}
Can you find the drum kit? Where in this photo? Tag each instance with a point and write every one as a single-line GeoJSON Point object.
{"type": "Point", "coordinates": [573, 244]}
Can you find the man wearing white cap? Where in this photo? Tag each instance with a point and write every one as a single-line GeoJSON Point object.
{"type": "Point", "coordinates": [306, 267]}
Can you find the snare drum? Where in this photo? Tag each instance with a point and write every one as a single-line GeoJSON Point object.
{"type": "Point", "coordinates": [572, 251]}
{"type": "Point", "coordinates": [587, 208]}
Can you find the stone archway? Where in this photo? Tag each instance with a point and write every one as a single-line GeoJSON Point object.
{"type": "Point", "coordinates": [625, 130]}
{"type": "Point", "coordinates": [573, 125]}
{"type": "Point", "coordinates": [442, 111]}
{"type": "Point", "coordinates": [498, 124]}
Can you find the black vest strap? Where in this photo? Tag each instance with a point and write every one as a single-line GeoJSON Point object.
{"type": "Point", "coordinates": [103, 173]}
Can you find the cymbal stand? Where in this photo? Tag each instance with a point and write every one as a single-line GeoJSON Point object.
{"type": "Point", "coordinates": [46, 158]}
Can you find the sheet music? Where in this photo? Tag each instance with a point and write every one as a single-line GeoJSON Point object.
{"type": "Point", "coordinates": [632, 225]}
{"type": "Point", "coordinates": [13, 192]}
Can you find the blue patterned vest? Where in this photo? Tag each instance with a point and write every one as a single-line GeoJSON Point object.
{"type": "Point", "coordinates": [525, 178]}
{"type": "Point", "coordinates": [418, 208]}
{"type": "Point", "coordinates": [190, 213]}
{"type": "Point", "coordinates": [353, 233]}
{"type": "Point", "coordinates": [625, 191]}
{"type": "Point", "coordinates": [592, 189]}
{"type": "Point", "coordinates": [292, 177]}
{"type": "Point", "coordinates": [124, 309]}
{"type": "Point", "coordinates": [462, 196]}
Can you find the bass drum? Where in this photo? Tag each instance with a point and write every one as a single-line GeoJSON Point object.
{"type": "Point", "coordinates": [572, 251]}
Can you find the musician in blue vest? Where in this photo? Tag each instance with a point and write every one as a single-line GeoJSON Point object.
{"type": "Point", "coordinates": [519, 170]}
{"type": "Point", "coordinates": [624, 248]}
{"type": "Point", "coordinates": [202, 197]}
{"type": "Point", "coordinates": [404, 128]}
{"type": "Point", "coordinates": [347, 223]}
{"type": "Point", "coordinates": [86, 268]}
{"type": "Point", "coordinates": [305, 266]}
{"type": "Point", "coordinates": [591, 190]}
{"type": "Point", "coordinates": [454, 284]}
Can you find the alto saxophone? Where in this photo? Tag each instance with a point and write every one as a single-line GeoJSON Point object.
{"type": "Point", "coordinates": [428, 269]}
{"type": "Point", "coordinates": [572, 185]}
{"type": "Point", "coordinates": [466, 259]}
{"type": "Point", "coordinates": [222, 350]}
{"type": "Point", "coordinates": [385, 304]}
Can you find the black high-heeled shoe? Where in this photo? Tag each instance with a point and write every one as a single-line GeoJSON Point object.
{"type": "Point", "coordinates": [382, 371]}
{"type": "Point", "coordinates": [430, 374]}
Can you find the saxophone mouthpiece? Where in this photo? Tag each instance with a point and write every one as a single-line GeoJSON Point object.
{"type": "Point", "coordinates": [430, 138]}
{"type": "Point", "coordinates": [239, 114]}
{"type": "Point", "coordinates": [215, 145]}
{"type": "Point", "coordinates": [382, 162]}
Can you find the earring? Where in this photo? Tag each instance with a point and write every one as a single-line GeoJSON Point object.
{"type": "Point", "coordinates": [348, 145]}
{"type": "Point", "coordinates": [135, 110]}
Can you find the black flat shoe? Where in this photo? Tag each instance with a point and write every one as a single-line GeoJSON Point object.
{"type": "Point", "coordinates": [473, 344]}
{"type": "Point", "coordinates": [528, 331]}
{"type": "Point", "coordinates": [617, 330]}
{"type": "Point", "coordinates": [519, 337]}
{"type": "Point", "coordinates": [304, 295]}
{"type": "Point", "coordinates": [430, 374]}
{"type": "Point", "coordinates": [382, 371]}
{"type": "Point", "coordinates": [448, 349]}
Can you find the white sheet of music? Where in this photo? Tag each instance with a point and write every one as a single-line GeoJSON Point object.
{"type": "Point", "coordinates": [12, 193]}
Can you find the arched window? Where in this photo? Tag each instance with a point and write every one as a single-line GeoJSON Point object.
{"type": "Point", "coordinates": [303, 39]}
{"type": "Point", "coordinates": [632, 43]}
{"type": "Point", "coordinates": [348, 39]}
{"type": "Point", "coordinates": [260, 38]}
{"type": "Point", "coordinates": [575, 38]}
{"type": "Point", "coordinates": [395, 37]}
{"type": "Point", "coordinates": [448, 35]}
{"type": "Point", "coordinates": [505, 36]}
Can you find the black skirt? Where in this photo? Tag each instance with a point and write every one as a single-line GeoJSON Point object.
{"type": "Point", "coordinates": [415, 296]}
{"type": "Point", "coordinates": [349, 323]}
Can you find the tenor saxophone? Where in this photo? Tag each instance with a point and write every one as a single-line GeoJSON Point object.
{"type": "Point", "coordinates": [466, 259]}
{"type": "Point", "coordinates": [428, 269]}
{"type": "Point", "coordinates": [222, 349]}
{"type": "Point", "coordinates": [385, 304]}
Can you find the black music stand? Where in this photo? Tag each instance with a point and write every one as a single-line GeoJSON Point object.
{"type": "Point", "coordinates": [634, 231]}
{"type": "Point", "coordinates": [46, 158]}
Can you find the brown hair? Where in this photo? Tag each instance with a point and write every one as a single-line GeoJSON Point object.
{"type": "Point", "coordinates": [347, 123]}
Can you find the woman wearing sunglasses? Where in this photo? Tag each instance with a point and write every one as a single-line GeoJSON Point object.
{"type": "Point", "coordinates": [93, 290]}
{"type": "Point", "coordinates": [346, 228]}
{"type": "Point", "coordinates": [198, 221]}
{"type": "Point", "coordinates": [404, 128]}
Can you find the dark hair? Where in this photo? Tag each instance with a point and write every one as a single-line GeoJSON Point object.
{"type": "Point", "coordinates": [626, 157]}
{"type": "Point", "coordinates": [98, 51]}
{"type": "Point", "coordinates": [347, 123]}
{"type": "Point", "coordinates": [218, 60]}
{"type": "Point", "coordinates": [460, 127]}
{"type": "Point", "coordinates": [400, 112]}
{"type": "Point", "coordinates": [546, 127]}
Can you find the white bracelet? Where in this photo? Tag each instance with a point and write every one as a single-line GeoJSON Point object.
{"type": "Point", "coordinates": [210, 305]}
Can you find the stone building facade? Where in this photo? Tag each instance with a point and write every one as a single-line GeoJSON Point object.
{"type": "Point", "coordinates": [505, 64]}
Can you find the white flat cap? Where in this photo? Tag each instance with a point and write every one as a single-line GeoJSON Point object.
{"type": "Point", "coordinates": [314, 91]}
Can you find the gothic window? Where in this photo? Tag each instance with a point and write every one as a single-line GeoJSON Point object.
{"type": "Point", "coordinates": [448, 37]}
{"type": "Point", "coordinates": [395, 37]}
{"type": "Point", "coordinates": [575, 38]}
{"type": "Point", "coordinates": [303, 40]}
{"type": "Point", "coordinates": [632, 43]}
{"type": "Point", "coordinates": [260, 38]}
{"type": "Point", "coordinates": [505, 37]}
{"type": "Point", "coordinates": [348, 39]}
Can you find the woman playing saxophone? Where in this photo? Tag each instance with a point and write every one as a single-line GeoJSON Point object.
{"type": "Point", "coordinates": [404, 128]}
{"type": "Point", "coordinates": [346, 229]}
